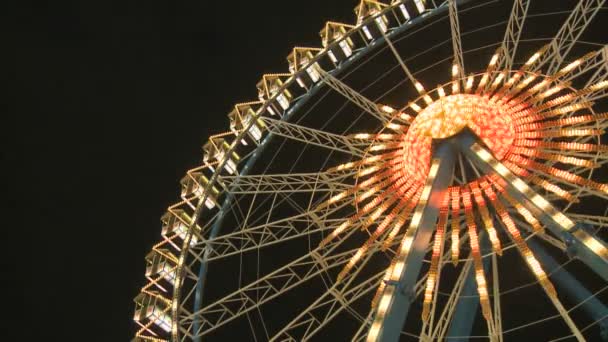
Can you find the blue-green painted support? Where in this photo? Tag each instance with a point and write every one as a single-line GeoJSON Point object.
{"type": "Point", "coordinates": [401, 292]}
{"type": "Point", "coordinates": [468, 304]}
{"type": "Point", "coordinates": [567, 284]}
{"type": "Point", "coordinates": [574, 237]}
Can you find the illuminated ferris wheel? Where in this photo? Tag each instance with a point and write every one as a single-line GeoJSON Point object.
{"type": "Point", "coordinates": [434, 172]}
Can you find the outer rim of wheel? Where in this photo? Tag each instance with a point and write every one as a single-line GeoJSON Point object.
{"type": "Point", "coordinates": [297, 103]}
{"type": "Point", "coordinates": [345, 64]}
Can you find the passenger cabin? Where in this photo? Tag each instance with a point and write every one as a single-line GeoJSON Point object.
{"type": "Point", "coordinates": [216, 149]}
{"type": "Point", "coordinates": [194, 184]}
{"type": "Point", "coordinates": [152, 308]}
{"type": "Point", "coordinates": [301, 59]}
{"type": "Point", "coordinates": [161, 265]}
{"type": "Point", "coordinates": [175, 226]}
{"type": "Point", "coordinates": [242, 116]}
{"type": "Point", "coordinates": [269, 87]}
{"type": "Point", "coordinates": [372, 9]}
{"type": "Point", "coordinates": [409, 9]}
{"type": "Point", "coordinates": [336, 32]}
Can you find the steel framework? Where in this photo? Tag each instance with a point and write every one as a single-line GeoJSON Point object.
{"type": "Point", "coordinates": [488, 164]}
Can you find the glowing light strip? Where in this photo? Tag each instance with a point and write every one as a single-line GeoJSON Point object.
{"type": "Point", "coordinates": [565, 70]}
{"type": "Point", "coordinates": [523, 212]}
{"type": "Point", "coordinates": [373, 190]}
{"type": "Point", "coordinates": [441, 92]}
{"type": "Point", "coordinates": [559, 133]}
{"type": "Point", "coordinates": [519, 111]}
{"type": "Point", "coordinates": [382, 285]}
{"type": "Point", "coordinates": [404, 249]}
{"type": "Point", "coordinates": [523, 188]}
{"type": "Point", "coordinates": [469, 85]}
{"type": "Point", "coordinates": [352, 190]}
{"type": "Point", "coordinates": [535, 57]}
{"type": "Point", "coordinates": [565, 175]}
{"type": "Point", "coordinates": [524, 151]}
{"type": "Point", "coordinates": [403, 217]}
{"type": "Point", "coordinates": [442, 223]}
{"type": "Point", "coordinates": [368, 160]}
{"type": "Point", "coordinates": [564, 146]}
{"type": "Point", "coordinates": [497, 81]}
{"type": "Point", "coordinates": [526, 124]}
{"type": "Point", "coordinates": [521, 245]}
{"type": "Point", "coordinates": [369, 170]}
{"type": "Point", "coordinates": [455, 79]}
{"type": "Point", "coordinates": [512, 80]}
{"type": "Point", "coordinates": [366, 209]}
{"type": "Point", "coordinates": [482, 288]}
{"type": "Point", "coordinates": [482, 83]}
{"type": "Point", "coordinates": [552, 188]}
{"type": "Point", "coordinates": [386, 146]}
{"type": "Point", "coordinates": [485, 216]}
{"type": "Point", "coordinates": [455, 197]}
{"type": "Point", "coordinates": [516, 169]}
{"type": "Point", "coordinates": [383, 136]}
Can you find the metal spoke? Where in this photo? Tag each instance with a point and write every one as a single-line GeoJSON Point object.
{"type": "Point", "coordinates": [496, 297]}
{"type": "Point", "coordinates": [508, 47]}
{"type": "Point", "coordinates": [315, 137]}
{"type": "Point", "coordinates": [394, 302]}
{"type": "Point", "coordinates": [269, 233]}
{"type": "Point", "coordinates": [320, 182]}
{"type": "Point", "coordinates": [332, 302]}
{"type": "Point", "coordinates": [440, 331]}
{"type": "Point", "coordinates": [568, 35]}
{"type": "Point", "coordinates": [354, 96]}
{"type": "Point", "coordinates": [590, 249]}
{"type": "Point", "coordinates": [456, 41]}
{"type": "Point", "coordinates": [404, 67]}
{"type": "Point", "coordinates": [549, 290]}
{"type": "Point", "coordinates": [251, 296]}
{"type": "Point", "coordinates": [592, 61]}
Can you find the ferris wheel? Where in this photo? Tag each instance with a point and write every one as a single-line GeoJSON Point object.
{"type": "Point", "coordinates": [435, 171]}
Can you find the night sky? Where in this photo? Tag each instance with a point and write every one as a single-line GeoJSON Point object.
{"type": "Point", "coordinates": [110, 105]}
{"type": "Point", "coordinates": [107, 107]}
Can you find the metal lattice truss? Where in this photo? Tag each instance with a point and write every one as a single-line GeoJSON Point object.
{"type": "Point", "coordinates": [458, 72]}
{"type": "Point", "coordinates": [486, 164]}
{"type": "Point", "coordinates": [515, 26]}
{"type": "Point", "coordinates": [315, 137]}
{"type": "Point", "coordinates": [568, 35]}
{"type": "Point", "coordinates": [356, 98]}
{"type": "Point", "coordinates": [334, 181]}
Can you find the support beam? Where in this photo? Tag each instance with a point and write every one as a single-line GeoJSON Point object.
{"type": "Point", "coordinates": [512, 33]}
{"type": "Point", "coordinates": [317, 182]}
{"type": "Point", "coordinates": [468, 304]}
{"type": "Point", "coordinates": [568, 35]}
{"type": "Point", "coordinates": [585, 246]}
{"type": "Point", "coordinates": [354, 96]}
{"type": "Point", "coordinates": [315, 137]}
{"type": "Point", "coordinates": [596, 60]}
{"type": "Point", "coordinates": [456, 41]}
{"type": "Point", "coordinates": [267, 288]}
{"type": "Point", "coordinates": [571, 287]}
{"type": "Point", "coordinates": [398, 295]}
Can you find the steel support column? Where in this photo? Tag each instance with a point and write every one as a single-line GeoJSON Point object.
{"type": "Point", "coordinates": [581, 244]}
{"type": "Point", "coordinates": [392, 309]}
{"type": "Point", "coordinates": [468, 303]}
{"type": "Point", "coordinates": [572, 288]}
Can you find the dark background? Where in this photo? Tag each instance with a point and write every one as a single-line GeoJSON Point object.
{"type": "Point", "coordinates": [109, 105]}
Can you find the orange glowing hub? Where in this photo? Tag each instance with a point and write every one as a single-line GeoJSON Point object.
{"type": "Point", "coordinates": [448, 116]}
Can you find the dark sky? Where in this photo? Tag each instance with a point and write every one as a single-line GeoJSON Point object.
{"type": "Point", "coordinates": [110, 103]}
